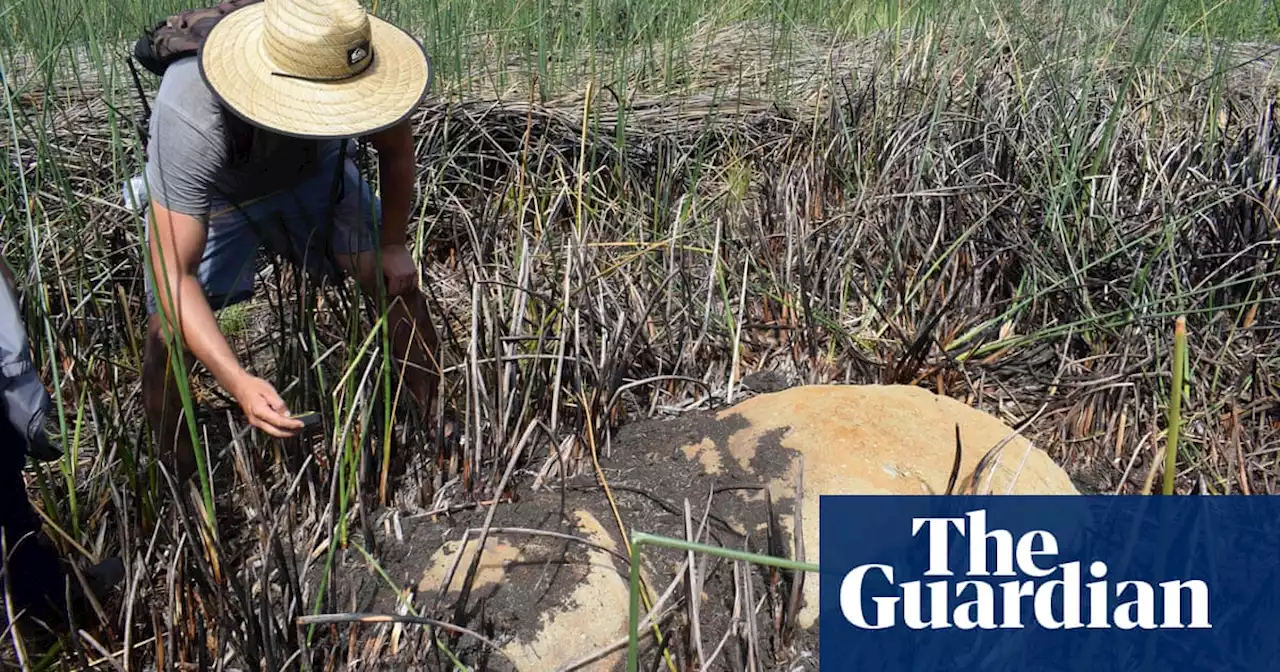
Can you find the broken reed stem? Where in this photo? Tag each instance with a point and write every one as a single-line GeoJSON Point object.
{"type": "Point", "coordinates": [1175, 403]}
{"type": "Point", "coordinates": [333, 619]}
{"type": "Point", "coordinates": [639, 539]}
{"type": "Point", "coordinates": [695, 592]}
{"type": "Point", "coordinates": [797, 586]}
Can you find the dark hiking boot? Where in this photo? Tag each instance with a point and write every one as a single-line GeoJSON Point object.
{"type": "Point", "coordinates": [37, 584]}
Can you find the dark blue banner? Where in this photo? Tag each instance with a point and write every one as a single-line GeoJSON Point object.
{"type": "Point", "coordinates": [1052, 583]}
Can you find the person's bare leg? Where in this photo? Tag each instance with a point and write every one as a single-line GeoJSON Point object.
{"type": "Point", "coordinates": [415, 346]}
{"type": "Point", "coordinates": [162, 399]}
{"type": "Point", "coordinates": [413, 337]}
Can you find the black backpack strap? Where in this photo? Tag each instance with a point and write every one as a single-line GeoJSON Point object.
{"type": "Point", "coordinates": [144, 117]}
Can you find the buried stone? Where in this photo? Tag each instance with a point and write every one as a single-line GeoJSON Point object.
{"type": "Point", "coordinates": [981, 597]}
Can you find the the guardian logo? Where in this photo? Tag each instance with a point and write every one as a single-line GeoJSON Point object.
{"type": "Point", "coordinates": [1033, 591]}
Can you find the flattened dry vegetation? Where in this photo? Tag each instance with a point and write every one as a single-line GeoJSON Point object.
{"type": "Point", "coordinates": [1011, 214]}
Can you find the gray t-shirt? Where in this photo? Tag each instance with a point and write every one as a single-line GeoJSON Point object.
{"type": "Point", "coordinates": [189, 165]}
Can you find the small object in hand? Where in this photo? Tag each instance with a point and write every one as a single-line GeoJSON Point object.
{"type": "Point", "coordinates": [310, 420]}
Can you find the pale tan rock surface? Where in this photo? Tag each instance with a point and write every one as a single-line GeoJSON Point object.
{"type": "Point", "coordinates": [874, 440]}
{"type": "Point", "coordinates": [589, 618]}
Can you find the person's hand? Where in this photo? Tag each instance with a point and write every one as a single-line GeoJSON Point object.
{"type": "Point", "coordinates": [26, 404]}
{"type": "Point", "coordinates": [398, 270]}
{"type": "Point", "coordinates": [41, 443]}
{"type": "Point", "coordinates": [264, 408]}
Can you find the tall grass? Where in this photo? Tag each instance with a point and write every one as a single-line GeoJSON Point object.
{"type": "Point", "coordinates": [625, 208]}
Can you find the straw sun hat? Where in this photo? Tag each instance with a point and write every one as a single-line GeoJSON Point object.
{"type": "Point", "coordinates": [314, 68]}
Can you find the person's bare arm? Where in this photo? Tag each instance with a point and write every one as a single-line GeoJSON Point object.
{"type": "Point", "coordinates": [397, 166]}
{"type": "Point", "coordinates": [177, 245]}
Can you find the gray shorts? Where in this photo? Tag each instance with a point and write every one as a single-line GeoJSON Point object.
{"type": "Point", "coordinates": [292, 223]}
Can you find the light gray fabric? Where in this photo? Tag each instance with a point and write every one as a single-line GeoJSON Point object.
{"type": "Point", "coordinates": [188, 162]}
{"type": "Point", "coordinates": [24, 399]}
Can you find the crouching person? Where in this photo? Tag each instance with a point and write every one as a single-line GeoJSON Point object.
{"type": "Point", "coordinates": [241, 163]}
{"type": "Point", "coordinates": [34, 580]}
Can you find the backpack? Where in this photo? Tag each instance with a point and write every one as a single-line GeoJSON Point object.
{"type": "Point", "coordinates": [179, 36]}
